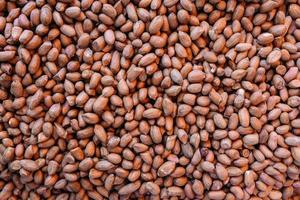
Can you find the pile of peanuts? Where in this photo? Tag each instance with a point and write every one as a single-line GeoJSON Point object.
{"type": "Point", "coordinates": [149, 99]}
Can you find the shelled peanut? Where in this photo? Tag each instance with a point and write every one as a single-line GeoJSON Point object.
{"type": "Point", "coordinates": [149, 99]}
